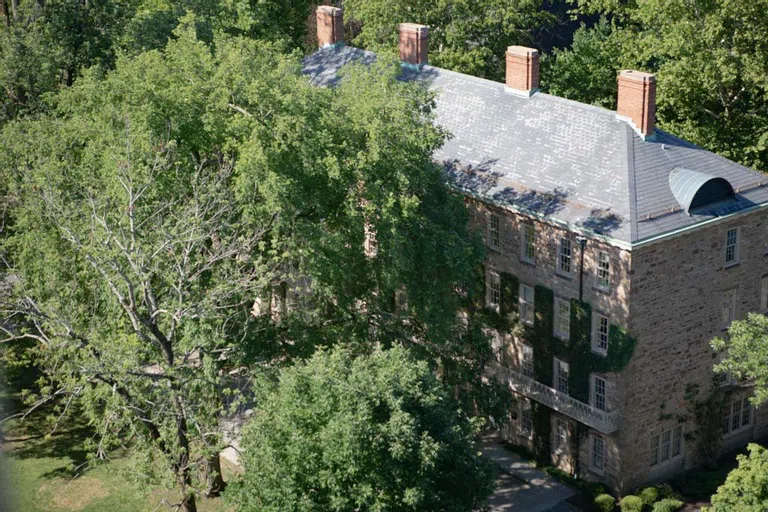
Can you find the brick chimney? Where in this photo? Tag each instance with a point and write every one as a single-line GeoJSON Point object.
{"type": "Point", "coordinates": [414, 43]}
{"type": "Point", "coordinates": [637, 101]}
{"type": "Point", "coordinates": [330, 26]}
{"type": "Point", "coordinates": [522, 70]}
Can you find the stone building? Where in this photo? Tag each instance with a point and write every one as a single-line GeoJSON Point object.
{"type": "Point", "coordinates": [623, 251]}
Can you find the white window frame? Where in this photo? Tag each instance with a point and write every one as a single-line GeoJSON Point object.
{"type": "Point", "coordinates": [371, 241]}
{"type": "Point", "coordinates": [494, 231]}
{"type": "Point", "coordinates": [764, 294]}
{"type": "Point", "coordinates": [528, 242]}
{"type": "Point", "coordinates": [598, 397]}
{"type": "Point", "coordinates": [597, 456]}
{"type": "Point", "coordinates": [560, 443]}
{"type": "Point", "coordinates": [732, 243]}
{"type": "Point", "coordinates": [526, 308]}
{"type": "Point", "coordinates": [493, 290]}
{"type": "Point", "coordinates": [729, 307]}
{"type": "Point", "coordinates": [603, 271]}
{"type": "Point", "coordinates": [561, 372]}
{"type": "Point", "coordinates": [565, 256]}
{"type": "Point", "coordinates": [601, 330]}
{"type": "Point", "coordinates": [526, 420]}
{"type": "Point", "coordinates": [667, 445]}
{"type": "Point", "coordinates": [526, 360]}
{"type": "Point", "coordinates": [736, 420]}
{"type": "Point", "coordinates": [562, 326]}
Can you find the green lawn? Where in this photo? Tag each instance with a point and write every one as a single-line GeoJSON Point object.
{"type": "Point", "coordinates": [42, 478]}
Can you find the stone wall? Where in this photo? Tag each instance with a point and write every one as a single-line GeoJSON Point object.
{"type": "Point", "coordinates": [611, 303]}
{"type": "Point", "coordinates": [676, 308]}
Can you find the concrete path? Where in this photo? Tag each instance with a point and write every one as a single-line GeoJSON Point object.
{"type": "Point", "coordinates": [521, 487]}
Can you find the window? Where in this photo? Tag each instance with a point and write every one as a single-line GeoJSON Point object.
{"type": "Point", "coordinates": [528, 245]}
{"type": "Point", "coordinates": [561, 435]}
{"type": "Point", "coordinates": [603, 270]}
{"type": "Point", "coordinates": [600, 334]}
{"type": "Point", "coordinates": [526, 423]}
{"type": "Point", "coordinates": [598, 392]}
{"type": "Point", "coordinates": [667, 445]}
{"type": "Point", "coordinates": [677, 441]}
{"type": "Point", "coordinates": [737, 416]}
{"type": "Point", "coordinates": [371, 242]}
{"type": "Point", "coordinates": [598, 453]}
{"type": "Point", "coordinates": [526, 363]}
{"type": "Point", "coordinates": [526, 304]}
{"type": "Point", "coordinates": [401, 300]}
{"type": "Point", "coordinates": [764, 294]}
{"type": "Point", "coordinates": [494, 231]}
{"type": "Point", "coordinates": [561, 375]}
{"type": "Point", "coordinates": [655, 449]}
{"type": "Point", "coordinates": [563, 318]}
{"type": "Point", "coordinates": [729, 307]}
{"type": "Point", "coordinates": [564, 262]}
{"type": "Point", "coordinates": [493, 292]}
{"type": "Point", "coordinates": [732, 246]}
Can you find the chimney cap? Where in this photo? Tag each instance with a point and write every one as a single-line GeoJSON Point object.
{"type": "Point", "coordinates": [329, 9]}
{"type": "Point", "coordinates": [522, 51]}
{"type": "Point", "coordinates": [413, 27]}
{"type": "Point", "coordinates": [637, 76]}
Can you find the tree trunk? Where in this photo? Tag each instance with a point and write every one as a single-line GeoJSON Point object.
{"type": "Point", "coordinates": [4, 12]}
{"type": "Point", "coordinates": [189, 504]}
{"type": "Point", "coordinates": [213, 477]}
{"type": "Point", "coordinates": [15, 9]}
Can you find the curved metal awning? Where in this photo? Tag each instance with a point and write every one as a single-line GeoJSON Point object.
{"type": "Point", "coordinates": [694, 189]}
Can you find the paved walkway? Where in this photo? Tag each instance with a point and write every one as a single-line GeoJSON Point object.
{"type": "Point", "coordinates": [521, 487]}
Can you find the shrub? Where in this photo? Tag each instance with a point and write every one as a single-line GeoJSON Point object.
{"type": "Point", "coordinates": [373, 432]}
{"type": "Point", "coordinates": [666, 491]}
{"type": "Point", "coordinates": [667, 505]}
{"type": "Point", "coordinates": [605, 503]}
{"type": "Point", "coordinates": [649, 495]}
{"type": "Point", "coordinates": [631, 503]}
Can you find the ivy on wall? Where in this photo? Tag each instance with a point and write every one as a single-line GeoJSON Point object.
{"type": "Point", "coordinates": [708, 417]}
{"type": "Point", "coordinates": [576, 351]}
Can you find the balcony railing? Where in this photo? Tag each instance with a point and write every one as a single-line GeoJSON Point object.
{"type": "Point", "coordinates": [605, 422]}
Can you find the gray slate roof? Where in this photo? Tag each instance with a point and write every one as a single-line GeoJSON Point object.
{"type": "Point", "coordinates": [570, 162]}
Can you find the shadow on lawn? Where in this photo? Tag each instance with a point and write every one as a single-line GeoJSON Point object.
{"type": "Point", "coordinates": [34, 437]}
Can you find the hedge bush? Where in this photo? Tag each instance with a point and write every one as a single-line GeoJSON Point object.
{"type": "Point", "coordinates": [605, 503]}
{"type": "Point", "coordinates": [631, 503]}
{"type": "Point", "coordinates": [667, 505]}
{"type": "Point", "coordinates": [649, 495]}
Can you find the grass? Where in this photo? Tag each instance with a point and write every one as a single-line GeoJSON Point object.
{"type": "Point", "coordinates": [42, 471]}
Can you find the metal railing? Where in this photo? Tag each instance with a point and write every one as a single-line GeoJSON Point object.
{"type": "Point", "coordinates": [603, 421]}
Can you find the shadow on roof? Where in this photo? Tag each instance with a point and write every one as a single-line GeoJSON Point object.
{"type": "Point", "coordinates": [602, 221]}
{"type": "Point", "coordinates": [542, 203]}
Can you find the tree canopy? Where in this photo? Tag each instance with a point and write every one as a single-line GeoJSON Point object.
{"type": "Point", "coordinates": [157, 202]}
{"type": "Point", "coordinates": [376, 432]}
{"type": "Point", "coordinates": [468, 36]}
{"type": "Point", "coordinates": [711, 60]}
{"type": "Point", "coordinates": [746, 353]}
{"type": "Point", "coordinates": [746, 488]}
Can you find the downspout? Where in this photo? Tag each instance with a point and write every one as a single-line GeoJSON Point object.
{"type": "Point", "coordinates": [582, 243]}
{"type": "Point", "coordinates": [577, 431]}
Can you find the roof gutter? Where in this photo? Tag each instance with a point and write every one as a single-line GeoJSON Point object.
{"type": "Point", "coordinates": [607, 239]}
{"type": "Point", "coordinates": [694, 227]}
{"type": "Point", "coordinates": [544, 218]}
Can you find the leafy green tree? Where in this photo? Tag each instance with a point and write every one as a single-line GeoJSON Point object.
{"type": "Point", "coordinates": [375, 432]}
{"type": "Point", "coordinates": [468, 36]}
{"type": "Point", "coordinates": [746, 353]}
{"type": "Point", "coordinates": [44, 45]}
{"type": "Point", "coordinates": [587, 70]}
{"type": "Point", "coordinates": [711, 59]}
{"type": "Point", "coordinates": [158, 202]}
{"type": "Point", "coordinates": [746, 488]}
